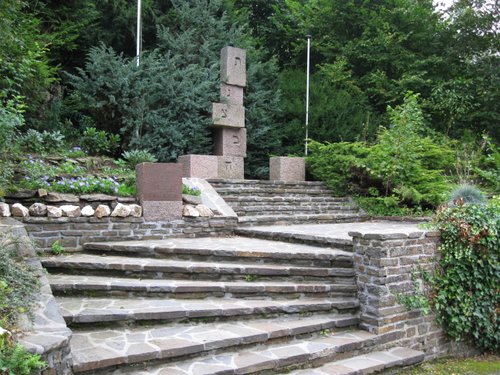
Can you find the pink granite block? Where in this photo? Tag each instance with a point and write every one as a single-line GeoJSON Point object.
{"type": "Point", "coordinates": [287, 168]}
{"type": "Point", "coordinates": [159, 182]}
{"type": "Point", "coordinates": [231, 167]}
{"type": "Point", "coordinates": [161, 210]}
{"type": "Point", "coordinates": [200, 166]}
{"type": "Point", "coordinates": [230, 142]}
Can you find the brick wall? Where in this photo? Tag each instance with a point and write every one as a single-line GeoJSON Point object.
{"type": "Point", "coordinates": [73, 233]}
{"type": "Point", "coordinates": [384, 266]}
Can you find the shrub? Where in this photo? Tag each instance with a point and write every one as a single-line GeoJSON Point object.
{"type": "Point", "coordinates": [16, 360]}
{"type": "Point", "coordinates": [99, 142]}
{"type": "Point", "coordinates": [466, 295]}
{"type": "Point", "coordinates": [135, 157]}
{"type": "Point", "coordinates": [466, 194]}
{"type": "Point", "coordinates": [190, 191]}
{"type": "Point", "coordinates": [42, 142]}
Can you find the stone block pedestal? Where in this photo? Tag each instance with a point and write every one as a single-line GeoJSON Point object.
{"type": "Point", "coordinates": [200, 166]}
{"type": "Point", "coordinates": [231, 167]}
{"type": "Point", "coordinates": [230, 142]}
{"type": "Point", "coordinates": [159, 190]}
{"type": "Point", "coordinates": [287, 168]}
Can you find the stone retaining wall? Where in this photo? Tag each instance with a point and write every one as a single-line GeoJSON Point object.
{"type": "Point", "coordinates": [73, 233]}
{"type": "Point", "coordinates": [384, 265]}
{"type": "Point", "coordinates": [47, 334]}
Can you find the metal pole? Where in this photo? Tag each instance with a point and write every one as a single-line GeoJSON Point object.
{"type": "Point", "coordinates": [139, 32]}
{"type": "Point", "coordinates": [307, 87]}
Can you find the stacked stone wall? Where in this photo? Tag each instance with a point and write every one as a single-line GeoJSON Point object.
{"type": "Point", "coordinates": [385, 264]}
{"type": "Point", "coordinates": [73, 233]}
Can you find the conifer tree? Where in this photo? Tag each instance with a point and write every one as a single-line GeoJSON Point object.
{"type": "Point", "coordinates": [164, 105]}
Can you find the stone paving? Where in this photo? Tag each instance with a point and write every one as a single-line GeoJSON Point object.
{"type": "Point", "coordinates": [337, 230]}
{"type": "Point", "coordinates": [197, 306]}
{"type": "Point", "coordinates": [97, 349]}
{"type": "Point", "coordinates": [369, 363]}
{"type": "Point", "coordinates": [71, 283]}
{"type": "Point", "coordinates": [277, 356]}
{"type": "Point", "coordinates": [166, 266]}
{"type": "Point", "coordinates": [86, 310]}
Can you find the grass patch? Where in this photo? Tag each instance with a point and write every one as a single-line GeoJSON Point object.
{"type": "Point", "coordinates": [481, 365]}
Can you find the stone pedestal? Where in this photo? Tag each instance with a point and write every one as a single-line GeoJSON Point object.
{"type": "Point", "coordinates": [200, 166]}
{"type": "Point", "coordinates": [231, 167]}
{"type": "Point", "coordinates": [233, 66]}
{"type": "Point", "coordinates": [287, 168]}
{"type": "Point", "coordinates": [228, 115]}
{"type": "Point", "coordinates": [230, 142]}
{"type": "Point", "coordinates": [159, 190]}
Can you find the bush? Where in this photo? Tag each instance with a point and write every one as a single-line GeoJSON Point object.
{"type": "Point", "coordinates": [16, 360]}
{"type": "Point", "coordinates": [135, 157]}
{"type": "Point", "coordinates": [99, 142]}
{"type": "Point", "coordinates": [466, 194]}
{"type": "Point", "coordinates": [42, 142]}
{"type": "Point", "coordinates": [402, 165]}
{"type": "Point", "coordinates": [466, 296]}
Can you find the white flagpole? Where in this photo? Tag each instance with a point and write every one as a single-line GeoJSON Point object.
{"type": "Point", "coordinates": [307, 87]}
{"type": "Point", "coordinates": [139, 31]}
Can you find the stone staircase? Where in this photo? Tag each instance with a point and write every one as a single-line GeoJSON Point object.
{"type": "Point", "coordinates": [279, 202]}
{"type": "Point", "coordinates": [215, 306]}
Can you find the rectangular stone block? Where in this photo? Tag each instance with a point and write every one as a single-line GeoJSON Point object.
{"type": "Point", "coordinates": [231, 94]}
{"type": "Point", "coordinates": [287, 168]}
{"type": "Point", "coordinates": [231, 167]}
{"type": "Point", "coordinates": [159, 182]}
{"type": "Point", "coordinates": [161, 210]}
{"type": "Point", "coordinates": [200, 166]}
{"type": "Point", "coordinates": [228, 115]}
{"type": "Point", "coordinates": [233, 66]}
{"type": "Point", "coordinates": [230, 142]}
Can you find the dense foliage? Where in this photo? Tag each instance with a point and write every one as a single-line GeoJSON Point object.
{"type": "Point", "coordinates": [405, 168]}
{"type": "Point", "coordinates": [466, 296]}
{"type": "Point", "coordinates": [365, 56]}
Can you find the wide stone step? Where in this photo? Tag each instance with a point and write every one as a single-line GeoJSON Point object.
{"type": "Point", "coordinates": [237, 249]}
{"type": "Point", "coordinates": [368, 363]}
{"type": "Point", "coordinates": [294, 211]}
{"type": "Point", "coordinates": [242, 183]}
{"type": "Point", "coordinates": [266, 359]}
{"type": "Point", "coordinates": [238, 199]}
{"type": "Point", "coordinates": [273, 191]}
{"type": "Point", "coordinates": [90, 264]}
{"type": "Point", "coordinates": [100, 285]}
{"type": "Point", "coordinates": [102, 349]}
{"type": "Point", "coordinates": [94, 310]}
{"type": "Point", "coordinates": [325, 235]}
{"type": "Point", "coordinates": [300, 219]}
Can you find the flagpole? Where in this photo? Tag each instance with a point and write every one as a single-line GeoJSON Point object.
{"type": "Point", "coordinates": [139, 32]}
{"type": "Point", "coordinates": [307, 88]}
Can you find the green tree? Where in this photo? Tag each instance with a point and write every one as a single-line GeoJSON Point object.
{"type": "Point", "coordinates": [164, 105]}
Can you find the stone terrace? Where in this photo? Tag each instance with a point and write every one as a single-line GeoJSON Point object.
{"type": "Point", "coordinates": [223, 305]}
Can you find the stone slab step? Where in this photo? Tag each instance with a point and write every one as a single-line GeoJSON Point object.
{"type": "Point", "coordinates": [270, 191]}
{"type": "Point", "coordinates": [76, 284]}
{"type": "Point", "coordinates": [301, 218]}
{"type": "Point", "coordinates": [164, 268]}
{"type": "Point", "coordinates": [102, 349]}
{"type": "Point", "coordinates": [295, 213]}
{"type": "Point", "coordinates": [225, 182]}
{"type": "Point", "coordinates": [93, 310]}
{"type": "Point", "coordinates": [285, 206]}
{"type": "Point", "coordinates": [271, 200]}
{"type": "Point", "coordinates": [368, 363]}
{"type": "Point", "coordinates": [240, 249]}
{"type": "Point", "coordinates": [284, 233]}
{"type": "Point", "coordinates": [268, 359]}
